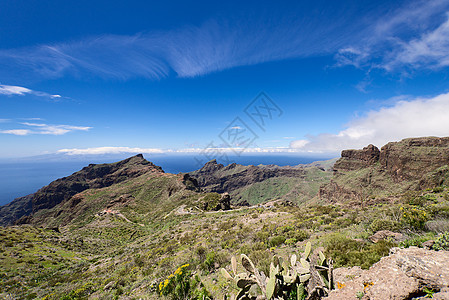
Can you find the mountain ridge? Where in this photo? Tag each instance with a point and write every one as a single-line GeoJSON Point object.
{"type": "Point", "coordinates": [62, 189]}
{"type": "Point", "coordinates": [408, 165]}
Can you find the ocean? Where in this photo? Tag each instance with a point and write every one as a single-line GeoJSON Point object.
{"type": "Point", "coordinates": [20, 178]}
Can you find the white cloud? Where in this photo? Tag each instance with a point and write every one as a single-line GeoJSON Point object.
{"type": "Point", "coordinates": [109, 150]}
{"type": "Point", "coordinates": [190, 51]}
{"type": "Point", "coordinates": [45, 129]}
{"type": "Point", "coordinates": [357, 34]}
{"type": "Point", "coordinates": [194, 151]}
{"type": "Point", "coordinates": [13, 90]}
{"type": "Point", "coordinates": [429, 50]}
{"type": "Point", "coordinates": [299, 143]}
{"type": "Point", "coordinates": [408, 39]}
{"type": "Point", "coordinates": [413, 118]}
{"type": "Point", "coordinates": [16, 131]}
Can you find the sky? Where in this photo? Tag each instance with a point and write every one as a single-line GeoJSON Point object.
{"type": "Point", "coordinates": [169, 77]}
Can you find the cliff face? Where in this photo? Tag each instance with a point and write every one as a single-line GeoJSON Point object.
{"type": "Point", "coordinates": [356, 159]}
{"type": "Point", "coordinates": [414, 163]}
{"type": "Point", "coordinates": [257, 184]}
{"type": "Point", "coordinates": [214, 177]}
{"type": "Point", "coordinates": [92, 176]}
{"type": "Point", "coordinates": [411, 158]}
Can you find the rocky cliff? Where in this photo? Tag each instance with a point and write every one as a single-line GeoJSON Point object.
{"type": "Point", "coordinates": [92, 176]}
{"type": "Point", "coordinates": [356, 159]}
{"type": "Point", "coordinates": [256, 184]}
{"type": "Point", "coordinates": [215, 177]}
{"type": "Point", "coordinates": [411, 164]}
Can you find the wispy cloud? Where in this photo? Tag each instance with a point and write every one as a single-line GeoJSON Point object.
{"type": "Point", "coordinates": [16, 131]}
{"type": "Point", "coordinates": [407, 39]}
{"type": "Point", "coordinates": [12, 90]}
{"type": "Point", "coordinates": [430, 50]}
{"type": "Point", "coordinates": [407, 118]}
{"type": "Point", "coordinates": [191, 51]}
{"type": "Point", "coordinates": [413, 34]}
{"type": "Point", "coordinates": [45, 129]}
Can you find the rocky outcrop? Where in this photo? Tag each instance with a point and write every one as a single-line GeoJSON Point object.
{"type": "Point", "coordinates": [215, 177]}
{"type": "Point", "coordinates": [415, 163]}
{"type": "Point", "coordinates": [190, 183]}
{"type": "Point", "coordinates": [386, 234]}
{"type": "Point", "coordinates": [402, 275]}
{"type": "Point", "coordinates": [60, 190]}
{"type": "Point", "coordinates": [215, 202]}
{"type": "Point", "coordinates": [404, 160]}
{"type": "Point", "coordinates": [356, 159]}
{"type": "Point", "coordinates": [411, 158]}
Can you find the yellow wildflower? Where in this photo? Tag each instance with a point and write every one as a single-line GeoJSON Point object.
{"type": "Point", "coordinates": [367, 284]}
{"type": "Point", "coordinates": [340, 285]}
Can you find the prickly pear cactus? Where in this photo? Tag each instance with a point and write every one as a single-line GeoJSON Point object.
{"type": "Point", "coordinates": [286, 278]}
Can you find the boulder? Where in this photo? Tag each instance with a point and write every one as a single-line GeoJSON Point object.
{"type": "Point", "coordinates": [402, 275]}
{"type": "Point", "coordinates": [225, 202]}
{"type": "Point", "coordinates": [384, 234]}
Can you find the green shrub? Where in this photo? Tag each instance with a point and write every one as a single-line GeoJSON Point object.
{"type": "Point", "coordinates": [442, 242]}
{"type": "Point", "coordinates": [80, 293]}
{"type": "Point", "coordinates": [417, 240]}
{"type": "Point", "coordinates": [410, 196]}
{"type": "Point", "coordinates": [262, 236]}
{"type": "Point", "coordinates": [290, 242]}
{"type": "Point", "coordinates": [414, 216]}
{"type": "Point", "coordinates": [298, 235]}
{"type": "Point", "coordinates": [224, 226]}
{"type": "Point", "coordinates": [276, 241]}
{"type": "Point", "coordinates": [209, 262]}
{"type": "Point", "coordinates": [347, 252]}
{"type": "Point", "coordinates": [201, 253]}
{"type": "Point", "coordinates": [342, 223]}
{"type": "Point", "coordinates": [182, 285]}
{"type": "Point", "coordinates": [284, 229]}
{"type": "Point", "coordinates": [439, 211]}
{"type": "Point", "coordinates": [384, 224]}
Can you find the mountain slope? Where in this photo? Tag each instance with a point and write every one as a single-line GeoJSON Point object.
{"type": "Point", "coordinates": [92, 176]}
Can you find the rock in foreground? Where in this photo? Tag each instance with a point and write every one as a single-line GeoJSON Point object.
{"type": "Point", "coordinates": [402, 275]}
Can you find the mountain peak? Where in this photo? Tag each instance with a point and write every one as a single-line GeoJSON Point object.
{"type": "Point", "coordinates": [91, 176]}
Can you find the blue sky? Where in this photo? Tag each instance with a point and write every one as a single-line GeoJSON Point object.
{"type": "Point", "coordinates": [94, 77]}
